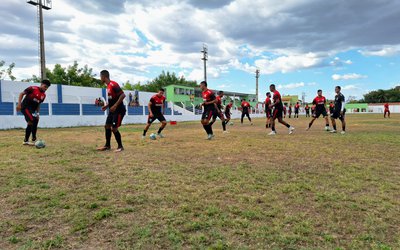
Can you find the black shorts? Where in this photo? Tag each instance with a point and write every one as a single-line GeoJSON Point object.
{"type": "Point", "coordinates": [228, 115]}
{"type": "Point", "coordinates": [277, 113]}
{"type": "Point", "coordinates": [29, 115]}
{"type": "Point", "coordinates": [115, 119]}
{"type": "Point", "coordinates": [156, 116]}
{"type": "Point", "coordinates": [322, 112]}
{"type": "Point", "coordinates": [208, 113]}
{"type": "Point", "coordinates": [296, 111]}
{"type": "Point", "coordinates": [220, 115]}
{"type": "Point", "coordinates": [336, 114]}
{"type": "Point", "coordinates": [268, 113]}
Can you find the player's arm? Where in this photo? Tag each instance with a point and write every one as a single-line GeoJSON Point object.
{"type": "Point", "coordinates": [21, 95]}
{"type": "Point", "coordinates": [163, 107]}
{"type": "Point", "coordinates": [119, 101]}
{"type": "Point", "coordinates": [343, 104]}
{"type": "Point", "coordinates": [275, 103]}
{"type": "Point", "coordinates": [38, 110]}
{"type": "Point", "coordinates": [149, 108]}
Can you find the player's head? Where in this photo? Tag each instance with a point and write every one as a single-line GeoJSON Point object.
{"type": "Point", "coordinates": [268, 94]}
{"type": "Point", "coordinates": [243, 100]}
{"type": "Point", "coordinates": [272, 87]}
{"type": "Point", "coordinates": [104, 76]}
{"type": "Point", "coordinates": [337, 89]}
{"type": "Point", "coordinates": [161, 92]}
{"type": "Point", "coordinates": [203, 85]}
{"type": "Point", "coordinates": [319, 92]}
{"type": "Point", "coordinates": [44, 85]}
{"type": "Point", "coordinates": [221, 93]}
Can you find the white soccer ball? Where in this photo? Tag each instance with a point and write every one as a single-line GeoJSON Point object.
{"type": "Point", "coordinates": [153, 136]}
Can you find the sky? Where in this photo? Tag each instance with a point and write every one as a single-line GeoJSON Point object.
{"type": "Point", "coordinates": [299, 45]}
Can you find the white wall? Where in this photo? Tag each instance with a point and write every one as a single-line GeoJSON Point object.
{"type": "Point", "coordinates": [60, 121]}
{"type": "Point", "coordinates": [10, 89]}
{"type": "Point", "coordinates": [394, 108]}
{"type": "Point", "coordinates": [71, 94]}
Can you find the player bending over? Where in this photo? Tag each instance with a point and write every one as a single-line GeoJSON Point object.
{"type": "Point", "coordinates": [209, 101]}
{"type": "Point", "coordinates": [156, 112]}
{"type": "Point", "coordinates": [277, 111]}
{"type": "Point", "coordinates": [30, 108]}
{"type": "Point", "coordinates": [268, 110]}
{"type": "Point", "coordinates": [116, 111]}
{"type": "Point", "coordinates": [339, 111]}
{"type": "Point", "coordinates": [320, 109]}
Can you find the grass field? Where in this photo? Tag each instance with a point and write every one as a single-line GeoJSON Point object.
{"type": "Point", "coordinates": [243, 190]}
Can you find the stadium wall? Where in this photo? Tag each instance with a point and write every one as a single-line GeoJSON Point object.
{"type": "Point", "coordinates": [71, 106]}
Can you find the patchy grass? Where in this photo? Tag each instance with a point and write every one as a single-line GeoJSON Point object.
{"type": "Point", "coordinates": [243, 190]}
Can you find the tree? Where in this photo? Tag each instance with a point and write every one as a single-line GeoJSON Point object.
{"type": "Point", "coordinates": [6, 71]}
{"type": "Point", "coordinates": [72, 75]}
{"type": "Point", "coordinates": [161, 81]}
{"type": "Point", "coordinates": [380, 96]}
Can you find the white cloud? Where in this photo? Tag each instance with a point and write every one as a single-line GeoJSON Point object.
{"type": "Point", "coordinates": [337, 62]}
{"type": "Point", "coordinates": [291, 85]}
{"type": "Point", "coordinates": [385, 51]}
{"type": "Point", "coordinates": [350, 87]}
{"type": "Point", "coordinates": [351, 76]}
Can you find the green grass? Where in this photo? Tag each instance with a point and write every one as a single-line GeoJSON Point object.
{"type": "Point", "coordinates": [243, 190]}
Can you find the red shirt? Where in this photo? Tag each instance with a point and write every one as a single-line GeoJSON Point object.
{"type": "Point", "coordinates": [157, 103]}
{"type": "Point", "coordinates": [34, 96]}
{"type": "Point", "coordinates": [208, 96]}
{"type": "Point", "coordinates": [306, 107]}
{"type": "Point", "coordinates": [219, 101]}
{"type": "Point", "coordinates": [386, 106]}
{"type": "Point", "coordinates": [267, 102]}
{"type": "Point", "coordinates": [114, 91]}
{"type": "Point", "coordinates": [320, 102]}
{"type": "Point", "coordinates": [245, 106]}
{"type": "Point", "coordinates": [276, 97]}
{"type": "Point", "coordinates": [228, 107]}
{"type": "Point", "coordinates": [297, 106]}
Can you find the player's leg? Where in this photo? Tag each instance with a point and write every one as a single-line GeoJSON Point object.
{"type": "Point", "coordinates": [161, 118]}
{"type": "Point", "coordinates": [228, 118]}
{"type": "Point", "coordinates": [248, 117]}
{"type": "Point", "coordinates": [281, 121]}
{"type": "Point", "coordinates": [388, 113]}
{"type": "Point", "coordinates": [221, 116]}
{"type": "Point", "coordinates": [34, 128]}
{"type": "Point", "coordinates": [311, 122]}
{"type": "Point", "coordinates": [205, 120]}
{"type": "Point", "coordinates": [241, 118]}
{"type": "Point", "coordinates": [343, 121]}
{"type": "Point", "coordinates": [333, 121]}
{"type": "Point", "coordinates": [326, 122]}
{"type": "Point", "coordinates": [150, 120]}
{"type": "Point", "coordinates": [116, 124]}
{"type": "Point", "coordinates": [29, 121]}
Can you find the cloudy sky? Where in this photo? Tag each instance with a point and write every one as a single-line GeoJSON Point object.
{"type": "Point", "coordinates": [300, 45]}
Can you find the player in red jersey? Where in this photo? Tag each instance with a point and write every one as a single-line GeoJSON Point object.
{"type": "Point", "coordinates": [245, 111]}
{"type": "Point", "coordinates": [116, 111]}
{"type": "Point", "coordinates": [284, 111]}
{"type": "Point", "coordinates": [307, 109]}
{"type": "Point", "coordinates": [209, 101]}
{"type": "Point", "coordinates": [331, 107]}
{"type": "Point", "coordinates": [227, 112]}
{"type": "Point", "coordinates": [387, 111]}
{"type": "Point", "coordinates": [268, 110]}
{"type": "Point", "coordinates": [156, 112]}
{"type": "Point", "coordinates": [277, 111]}
{"type": "Point", "coordinates": [296, 110]}
{"type": "Point", "coordinates": [218, 107]}
{"type": "Point", "coordinates": [320, 109]}
{"type": "Point", "coordinates": [30, 108]}
{"type": "Point", "coordinates": [290, 111]}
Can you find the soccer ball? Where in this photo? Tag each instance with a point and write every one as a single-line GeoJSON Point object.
{"type": "Point", "coordinates": [153, 136]}
{"type": "Point", "coordinates": [231, 123]}
{"type": "Point", "coordinates": [40, 144]}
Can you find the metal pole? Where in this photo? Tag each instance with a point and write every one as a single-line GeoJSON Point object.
{"type": "Point", "coordinates": [42, 53]}
{"type": "Point", "coordinates": [205, 57]}
{"type": "Point", "coordinates": [257, 76]}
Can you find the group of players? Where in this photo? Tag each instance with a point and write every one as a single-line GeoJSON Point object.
{"type": "Point", "coordinates": [30, 99]}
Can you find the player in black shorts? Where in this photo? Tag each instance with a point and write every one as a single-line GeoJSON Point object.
{"type": "Point", "coordinates": [116, 111]}
{"type": "Point", "coordinates": [156, 112]}
{"type": "Point", "coordinates": [320, 109]}
{"type": "Point", "coordinates": [339, 111]}
{"type": "Point", "coordinates": [30, 108]}
{"type": "Point", "coordinates": [219, 113]}
{"type": "Point", "coordinates": [209, 101]}
{"type": "Point", "coordinates": [277, 111]}
{"type": "Point", "coordinates": [227, 112]}
{"type": "Point", "coordinates": [268, 110]}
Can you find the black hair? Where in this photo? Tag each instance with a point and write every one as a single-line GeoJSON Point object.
{"type": "Point", "coordinates": [161, 89]}
{"type": "Point", "coordinates": [105, 73]}
{"type": "Point", "coordinates": [46, 82]}
{"type": "Point", "coordinates": [320, 90]}
{"type": "Point", "coordinates": [338, 87]}
{"type": "Point", "coordinates": [204, 83]}
{"type": "Point", "coordinates": [220, 92]}
{"type": "Point", "coordinates": [268, 93]}
{"type": "Point", "coordinates": [272, 85]}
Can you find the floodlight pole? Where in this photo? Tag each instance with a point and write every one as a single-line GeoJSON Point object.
{"type": "Point", "coordinates": [205, 58]}
{"type": "Point", "coordinates": [39, 4]}
{"type": "Point", "coordinates": [41, 41]}
{"type": "Point", "coordinates": [257, 76]}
